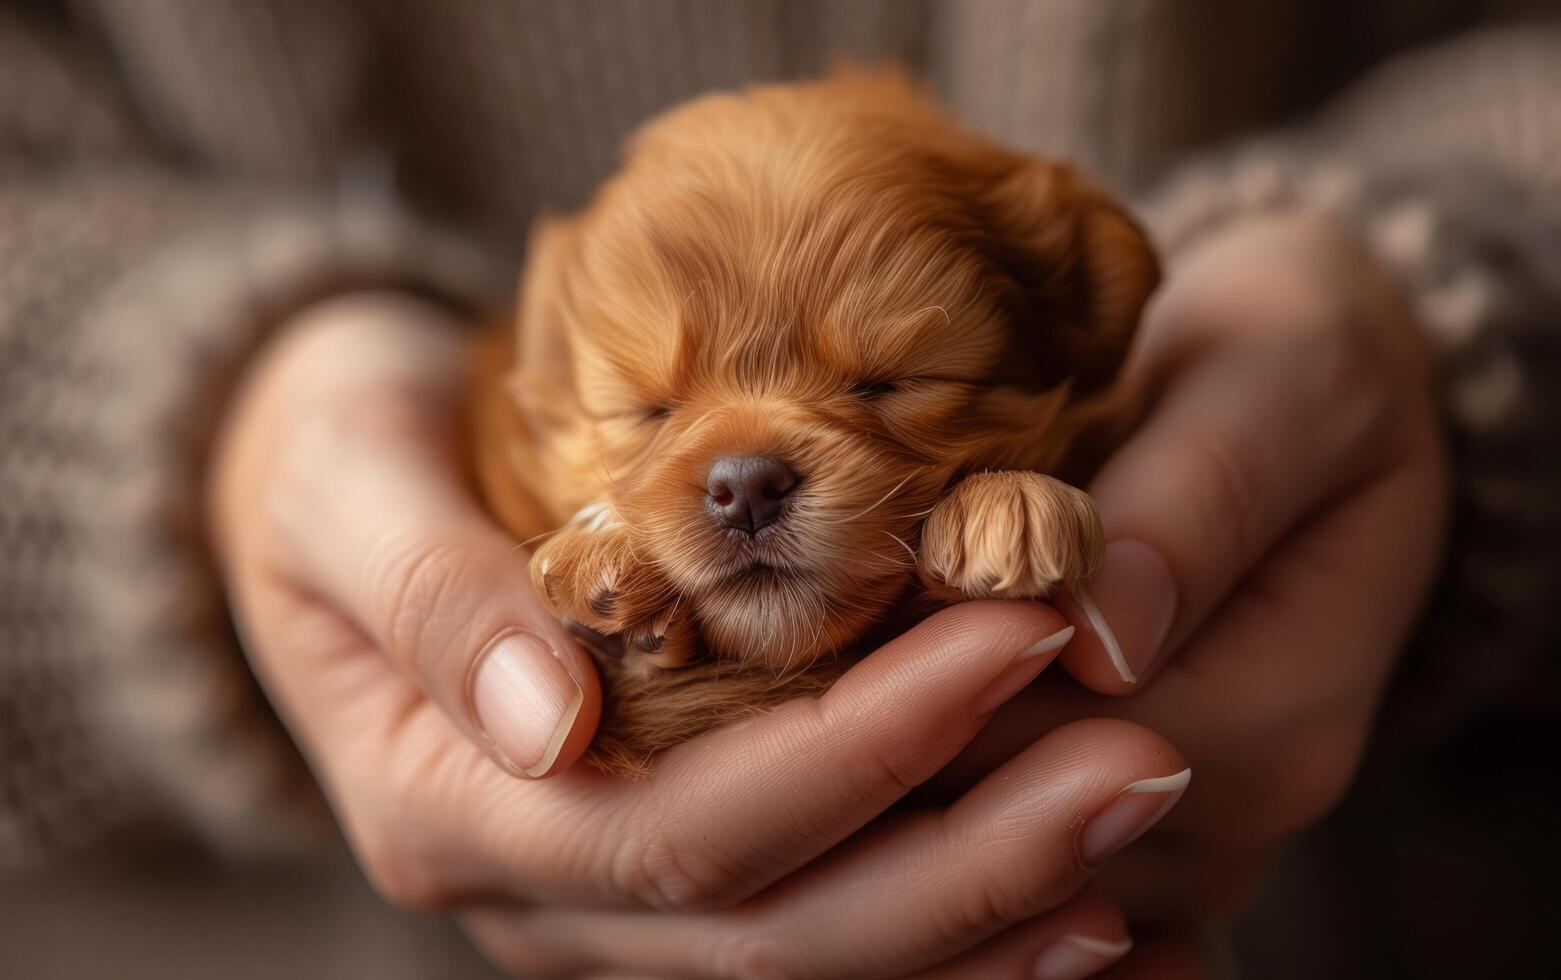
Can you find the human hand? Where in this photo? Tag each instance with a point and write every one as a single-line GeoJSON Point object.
{"type": "Point", "coordinates": [1274, 527]}
{"type": "Point", "coordinates": [376, 602]}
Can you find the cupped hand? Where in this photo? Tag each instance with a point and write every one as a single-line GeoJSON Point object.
{"type": "Point", "coordinates": [395, 629]}
{"type": "Point", "coordinates": [1273, 530]}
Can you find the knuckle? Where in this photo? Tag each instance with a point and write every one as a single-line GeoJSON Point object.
{"type": "Point", "coordinates": [1351, 377]}
{"type": "Point", "coordinates": [509, 950]}
{"type": "Point", "coordinates": [511, 958]}
{"type": "Point", "coordinates": [414, 577]}
{"type": "Point", "coordinates": [1006, 895]}
{"type": "Point", "coordinates": [988, 904]}
{"type": "Point", "coordinates": [744, 955]}
{"type": "Point", "coordinates": [1238, 471]}
{"type": "Point", "coordinates": [892, 770]}
{"type": "Point", "coordinates": [390, 816]}
{"type": "Point", "coordinates": [1313, 773]}
{"type": "Point", "coordinates": [1321, 778]}
{"type": "Point", "coordinates": [1347, 358]}
{"type": "Point", "coordinates": [401, 873]}
{"type": "Point", "coordinates": [886, 764]}
{"type": "Point", "coordinates": [976, 915]}
{"type": "Point", "coordinates": [662, 872]}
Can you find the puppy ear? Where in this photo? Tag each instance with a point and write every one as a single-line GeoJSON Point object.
{"type": "Point", "coordinates": [553, 450]}
{"type": "Point", "coordinates": [1081, 270]}
{"type": "Point", "coordinates": [520, 364]}
{"type": "Point", "coordinates": [543, 383]}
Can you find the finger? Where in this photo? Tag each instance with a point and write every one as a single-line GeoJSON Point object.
{"type": "Point", "coordinates": [921, 889]}
{"type": "Point", "coordinates": [723, 817]}
{"type": "Point", "coordinates": [1079, 939]}
{"type": "Point", "coordinates": [740, 807]}
{"type": "Point", "coordinates": [377, 519]}
{"type": "Point", "coordinates": [448, 597]}
{"type": "Point", "coordinates": [1171, 876]}
{"type": "Point", "coordinates": [1165, 959]}
{"type": "Point", "coordinates": [1273, 699]}
{"type": "Point", "coordinates": [1297, 660]}
{"type": "Point", "coordinates": [1253, 435]}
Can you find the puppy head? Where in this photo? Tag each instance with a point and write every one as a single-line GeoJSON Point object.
{"type": "Point", "coordinates": [791, 321]}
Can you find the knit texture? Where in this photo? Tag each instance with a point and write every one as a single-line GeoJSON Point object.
{"type": "Point", "coordinates": [175, 176]}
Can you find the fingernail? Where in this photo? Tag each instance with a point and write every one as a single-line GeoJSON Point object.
{"type": "Point", "coordinates": [1072, 957]}
{"type": "Point", "coordinates": [525, 701]}
{"type": "Point", "coordinates": [1130, 604]}
{"type": "Point", "coordinates": [1138, 807]}
{"type": "Point", "coordinates": [1017, 675]}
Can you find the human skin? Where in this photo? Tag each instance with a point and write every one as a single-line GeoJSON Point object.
{"type": "Point", "coordinates": [370, 590]}
{"type": "Point", "coordinates": [1289, 521]}
{"type": "Point", "coordinates": [1286, 499]}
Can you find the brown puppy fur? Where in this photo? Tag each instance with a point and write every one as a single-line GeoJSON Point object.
{"type": "Point", "coordinates": [919, 324]}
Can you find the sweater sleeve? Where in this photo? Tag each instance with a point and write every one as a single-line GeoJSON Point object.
{"type": "Point", "coordinates": [131, 293]}
{"type": "Point", "coordinates": [1448, 163]}
{"type": "Point", "coordinates": [128, 302]}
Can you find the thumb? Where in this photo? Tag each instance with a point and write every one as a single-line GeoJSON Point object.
{"type": "Point", "coordinates": [451, 601]}
{"type": "Point", "coordinates": [373, 515]}
{"type": "Point", "coordinates": [1262, 421]}
{"type": "Point", "coordinates": [1241, 450]}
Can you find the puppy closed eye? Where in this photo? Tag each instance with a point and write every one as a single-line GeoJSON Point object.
{"type": "Point", "coordinates": [875, 390]}
{"type": "Point", "coordinates": [643, 409]}
{"type": "Point", "coordinates": [871, 390]}
{"type": "Point", "coordinates": [642, 415]}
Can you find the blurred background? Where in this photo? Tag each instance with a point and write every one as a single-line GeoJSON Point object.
{"type": "Point", "coordinates": [176, 175]}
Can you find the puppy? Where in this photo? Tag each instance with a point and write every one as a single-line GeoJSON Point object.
{"type": "Point", "coordinates": [814, 363]}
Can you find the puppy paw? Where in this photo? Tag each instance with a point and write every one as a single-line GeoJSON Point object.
{"type": "Point", "coordinates": [589, 576]}
{"type": "Point", "coordinates": [1010, 535]}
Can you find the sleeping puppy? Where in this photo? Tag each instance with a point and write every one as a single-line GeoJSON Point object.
{"type": "Point", "coordinates": [815, 362]}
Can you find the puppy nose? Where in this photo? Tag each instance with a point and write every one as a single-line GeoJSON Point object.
{"type": "Point", "coordinates": [749, 492]}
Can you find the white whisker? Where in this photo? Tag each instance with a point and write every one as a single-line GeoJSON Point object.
{"type": "Point", "coordinates": [901, 543]}
{"type": "Point", "coordinates": [862, 513]}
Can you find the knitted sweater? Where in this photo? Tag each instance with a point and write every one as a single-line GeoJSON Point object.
{"type": "Point", "coordinates": [177, 175]}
